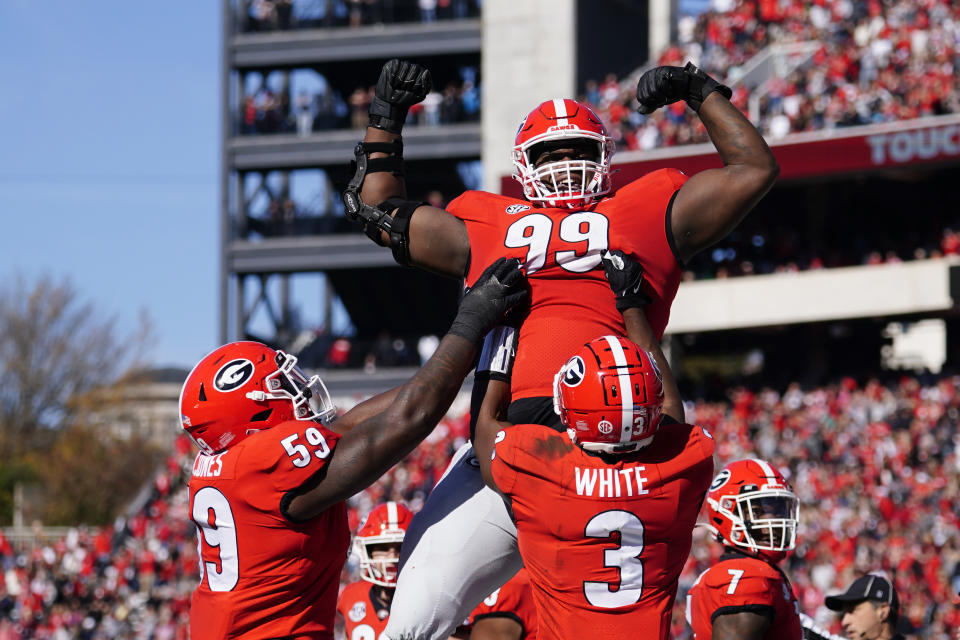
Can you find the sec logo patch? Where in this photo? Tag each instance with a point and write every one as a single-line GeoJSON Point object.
{"type": "Point", "coordinates": [517, 208]}
{"type": "Point", "coordinates": [358, 611]}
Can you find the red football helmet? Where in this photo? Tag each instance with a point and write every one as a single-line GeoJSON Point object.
{"type": "Point", "coordinates": [245, 387]}
{"type": "Point", "coordinates": [568, 183]}
{"type": "Point", "coordinates": [385, 524]}
{"type": "Point", "coordinates": [609, 396]}
{"type": "Point", "coordinates": [750, 506]}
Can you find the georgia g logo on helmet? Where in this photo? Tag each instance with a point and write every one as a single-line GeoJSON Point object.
{"type": "Point", "coordinates": [720, 480]}
{"type": "Point", "coordinates": [573, 372]}
{"type": "Point", "coordinates": [233, 375]}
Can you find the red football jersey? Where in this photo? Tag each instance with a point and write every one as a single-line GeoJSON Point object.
{"type": "Point", "coordinates": [571, 302]}
{"type": "Point", "coordinates": [604, 538]}
{"type": "Point", "coordinates": [262, 575]}
{"type": "Point", "coordinates": [364, 614]}
{"type": "Point", "coordinates": [513, 600]}
{"type": "Point", "coordinates": [741, 583]}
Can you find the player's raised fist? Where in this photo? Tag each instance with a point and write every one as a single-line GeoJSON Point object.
{"type": "Point", "coordinates": [661, 86]}
{"type": "Point", "coordinates": [665, 85]}
{"type": "Point", "coordinates": [402, 84]}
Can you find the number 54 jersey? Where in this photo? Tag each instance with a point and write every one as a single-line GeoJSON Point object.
{"type": "Point", "coordinates": [603, 538]}
{"type": "Point", "coordinates": [262, 575]}
{"type": "Point", "coordinates": [571, 302]}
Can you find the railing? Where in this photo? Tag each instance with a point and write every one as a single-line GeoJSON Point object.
{"type": "Point", "coordinates": [775, 61]}
{"type": "Point", "coordinates": [21, 538]}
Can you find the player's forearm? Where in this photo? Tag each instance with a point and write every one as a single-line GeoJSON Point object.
{"type": "Point", "coordinates": [417, 409]}
{"type": "Point", "coordinates": [713, 202]}
{"type": "Point", "coordinates": [490, 420]}
{"type": "Point", "coordinates": [741, 147]}
{"type": "Point", "coordinates": [380, 185]}
{"type": "Point", "coordinates": [421, 402]}
{"type": "Point", "coordinates": [366, 409]}
{"type": "Point", "coordinates": [638, 330]}
{"type": "Point", "coordinates": [437, 241]}
{"type": "Point", "coordinates": [377, 442]}
{"type": "Point", "coordinates": [496, 399]}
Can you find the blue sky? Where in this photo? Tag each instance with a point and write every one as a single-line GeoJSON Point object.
{"type": "Point", "coordinates": [109, 122]}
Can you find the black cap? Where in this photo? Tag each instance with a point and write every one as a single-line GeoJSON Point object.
{"type": "Point", "coordinates": [869, 587]}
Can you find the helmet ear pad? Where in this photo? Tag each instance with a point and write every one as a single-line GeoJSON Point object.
{"type": "Point", "coordinates": [609, 395]}
{"type": "Point", "coordinates": [572, 181]}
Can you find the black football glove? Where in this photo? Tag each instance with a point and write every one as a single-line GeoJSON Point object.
{"type": "Point", "coordinates": [401, 85]}
{"type": "Point", "coordinates": [665, 85]}
{"type": "Point", "coordinates": [625, 276]}
{"type": "Point", "coordinates": [500, 288]}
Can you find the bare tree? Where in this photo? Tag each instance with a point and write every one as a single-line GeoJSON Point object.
{"type": "Point", "coordinates": [57, 355]}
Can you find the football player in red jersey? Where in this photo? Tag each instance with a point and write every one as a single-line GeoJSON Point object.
{"type": "Point", "coordinates": [569, 219]}
{"type": "Point", "coordinates": [506, 614]}
{"type": "Point", "coordinates": [365, 608]}
{"type": "Point", "coordinates": [275, 464]}
{"type": "Point", "coordinates": [605, 510]}
{"type": "Point", "coordinates": [570, 215]}
{"type": "Point", "coordinates": [753, 513]}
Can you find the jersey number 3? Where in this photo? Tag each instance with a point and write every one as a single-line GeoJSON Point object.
{"type": "Point", "coordinates": [534, 231]}
{"type": "Point", "coordinates": [624, 557]}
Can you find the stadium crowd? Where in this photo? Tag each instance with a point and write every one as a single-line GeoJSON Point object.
{"type": "Point", "coordinates": [871, 61]}
{"type": "Point", "coordinates": [269, 109]}
{"type": "Point", "coordinates": [131, 580]}
{"type": "Point", "coordinates": [875, 466]}
{"type": "Point", "coordinates": [779, 249]}
{"type": "Point", "coordinates": [272, 15]}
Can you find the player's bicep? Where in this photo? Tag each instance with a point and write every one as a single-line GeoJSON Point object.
{"type": "Point", "coordinates": [741, 624]}
{"type": "Point", "coordinates": [439, 242]}
{"type": "Point", "coordinates": [707, 208]}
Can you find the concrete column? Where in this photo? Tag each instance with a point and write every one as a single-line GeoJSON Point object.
{"type": "Point", "coordinates": [529, 56]}
{"type": "Point", "coordinates": [661, 26]}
